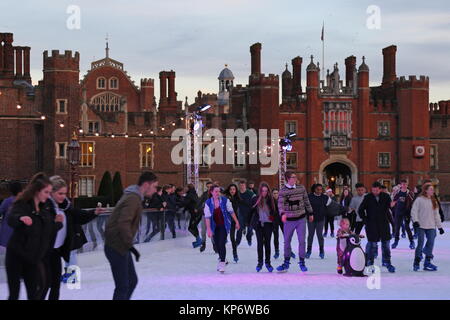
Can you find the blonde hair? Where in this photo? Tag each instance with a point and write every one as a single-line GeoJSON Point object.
{"type": "Point", "coordinates": [57, 183]}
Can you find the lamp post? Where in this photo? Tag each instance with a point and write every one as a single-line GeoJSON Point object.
{"type": "Point", "coordinates": [286, 145]}
{"type": "Point", "coordinates": [195, 129]}
{"type": "Point", "coordinates": [73, 157]}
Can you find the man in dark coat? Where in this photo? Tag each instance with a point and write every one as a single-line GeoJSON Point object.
{"type": "Point", "coordinates": [374, 211]}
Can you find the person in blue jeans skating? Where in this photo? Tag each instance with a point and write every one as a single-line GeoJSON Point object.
{"type": "Point", "coordinates": [374, 210]}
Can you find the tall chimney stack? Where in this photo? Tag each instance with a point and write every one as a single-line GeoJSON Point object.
{"type": "Point", "coordinates": [350, 67]}
{"type": "Point", "coordinates": [389, 74]}
{"type": "Point", "coordinates": [297, 76]}
{"type": "Point", "coordinates": [255, 51]}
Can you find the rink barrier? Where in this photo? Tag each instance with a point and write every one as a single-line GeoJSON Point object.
{"type": "Point", "coordinates": [95, 230]}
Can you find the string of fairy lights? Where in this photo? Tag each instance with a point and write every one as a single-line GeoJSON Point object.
{"type": "Point", "coordinates": [163, 128]}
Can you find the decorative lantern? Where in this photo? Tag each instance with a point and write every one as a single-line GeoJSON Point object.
{"type": "Point", "coordinates": [73, 151]}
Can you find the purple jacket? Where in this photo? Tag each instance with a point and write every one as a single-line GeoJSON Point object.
{"type": "Point", "coordinates": [5, 229]}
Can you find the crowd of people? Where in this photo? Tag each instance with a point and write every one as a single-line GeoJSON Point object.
{"type": "Point", "coordinates": [41, 227]}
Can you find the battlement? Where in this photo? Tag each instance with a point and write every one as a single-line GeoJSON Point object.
{"type": "Point", "coordinates": [413, 82]}
{"type": "Point", "coordinates": [59, 61]}
{"type": "Point", "coordinates": [263, 80]}
{"type": "Point", "coordinates": [383, 104]}
{"type": "Point", "coordinates": [441, 107]}
{"type": "Point", "coordinates": [147, 82]}
{"type": "Point", "coordinates": [6, 37]}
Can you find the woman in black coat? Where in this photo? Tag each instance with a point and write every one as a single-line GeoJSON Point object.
{"type": "Point", "coordinates": [34, 227]}
{"type": "Point", "coordinates": [233, 195]}
{"type": "Point", "coordinates": [70, 237]}
{"type": "Point", "coordinates": [374, 210]}
{"type": "Point", "coordinates": [263, 214]}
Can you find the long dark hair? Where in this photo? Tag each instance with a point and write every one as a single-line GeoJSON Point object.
{"type": "Point", "coordinates": [269, 197]}
{"type": "Point", "coordinates": [37, 183]}
{"type": "Point", "coordinates": [228, 193]}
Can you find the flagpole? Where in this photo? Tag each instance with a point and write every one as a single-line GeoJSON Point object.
{"type": "Point", "coordinates": [323, 51]}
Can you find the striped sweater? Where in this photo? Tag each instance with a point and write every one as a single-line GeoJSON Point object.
{"type": "Point", "coordinates": [294, 202]}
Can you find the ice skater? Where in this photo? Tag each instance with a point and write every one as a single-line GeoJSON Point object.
{"type": "Point", "coordinates": [294, 206]}
{"type": "Point", "coordinates": [374, 210]}
{"type": "Point", "coordinates": [120, 231]}
{"type": "Point", "coordinates": [401, 206]}
{"type": "Point", "coordinates": [342, 234]}
{"type": "Point", "coordinates": [232, 194]}
{"type": "Point", "coordinates": [263, 215]}
{"type": "Point", "coordinates": [218, 214]}
{"type": "Point", "coordinates": [426, 218]}
{"type": "Point", "coordinates": [319, 202]}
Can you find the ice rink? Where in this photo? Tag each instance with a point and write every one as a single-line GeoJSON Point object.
{"type": "Point", "coordinates": [172, 269]}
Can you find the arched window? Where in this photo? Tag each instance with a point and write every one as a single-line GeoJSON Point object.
{"type": "Point", "coordinates": [113, 83]}
{"type": "Point", "coordinates": [107, 102]}
{"type": "Point", "coordinates": [101, 83]}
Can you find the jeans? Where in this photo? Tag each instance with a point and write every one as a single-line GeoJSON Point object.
{"type": "Point", "coordinates": [243, 221]}
{"type": "Point", "coordinates": [220, 239]}
{"type": "Point", "coordinates": [289, 227]}
{"type": "Point", "coordinates": [170, 218]}
{"type": "Point", "coordinates": [399, 219]}
{"type": "Point", "coordinates": [430, 234]}
{"type": "Point", "coordinates": [315, 227]}
{"type": "Point", "coordinates": [263, 237]}
{"type": "Point", "coordinates": [233, 237]}
{"type": "Point", "coordinates": [124, 274]}
{"type": "Point", "coordinates": [276, 235]}
{"type": "Point", "coordinates": [371, 250]}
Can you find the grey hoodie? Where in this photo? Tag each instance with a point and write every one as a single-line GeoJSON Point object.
{"type": "Point", "coordinates": [123, 223]}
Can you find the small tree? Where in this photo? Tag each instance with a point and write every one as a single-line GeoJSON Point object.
{"type": "Point", "coordinates": [106, 187]}
{"type": "Point", "coordinates": [117, 187]}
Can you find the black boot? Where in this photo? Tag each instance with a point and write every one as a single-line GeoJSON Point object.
{"type": "Point", "coordinates": [203, 247]}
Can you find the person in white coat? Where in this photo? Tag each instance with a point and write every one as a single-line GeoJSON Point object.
{"type": "Point", "coordinates": [426, 218]}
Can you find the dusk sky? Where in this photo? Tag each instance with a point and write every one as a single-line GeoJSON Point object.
{"type": "Point", "coordinates": [197, 37]}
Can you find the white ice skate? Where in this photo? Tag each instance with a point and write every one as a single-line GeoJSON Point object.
{"type": "Point", "coordinates": [221, 267]}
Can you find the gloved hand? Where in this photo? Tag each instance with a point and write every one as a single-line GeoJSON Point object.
{"type": "Point", "coordinates": [416, 225]}
{"type": "Point", "coordinates": [135, 253]}
{"type": "Point", "coordinates": [441, 231]}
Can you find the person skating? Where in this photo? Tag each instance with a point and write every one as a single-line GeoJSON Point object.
{"type": "Point", "coordinates": [277, 225]}
{"type": "Point", "coordinates": [245, 205]}
{"type": "Point", "coordinates": [218, 214]}
{"type": "Point", "coordinates": [156, 214]}
{"type": "Point", "coordinates": [333, 210]}
{"type": "Point", "coordinates": [344, 201]}
{"type": "Point", "coordinates": [374, 210]}
{"type": "Point", "coordinates": [171, 208]}
{"type": "Point", "coordinates": [425, 216]}
{"type": "Point", "coordinates": [262, 217]}
{"type": "Point", "coordinates": [341, 236]}
{"type": "Point", "coordinates": [33, 229]}
{"type": "Point", "coordinates": [401, 205]}
{"type": "Point", "coordinates": [232, 194]}
{"type": "Point", "coordinates": [5, 230]}
{"type": "Point", "coordinates": [200, 206]}
{"type": "Point", "coordinates": [319, 202]}
{"type": "Point", "coordinates": [120, 231]}
{"type": "Point", "coordinates": [190, 203]}
{"type": "Point", "coordinates": [180, 198]}
{"type": "Point", "coordinates": [70, 237]}
{"type": "Point", "coordinates": [295, 208]}
{"type": "Point", "coordinates": [354, 206]}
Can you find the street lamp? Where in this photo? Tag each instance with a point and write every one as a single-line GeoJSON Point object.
{"type": "Point", "coordinates": [195, 130]}
{"type": "Point", "coordinates": [73, 157]}
{"type": "Point", "coordinates": [286, 145]}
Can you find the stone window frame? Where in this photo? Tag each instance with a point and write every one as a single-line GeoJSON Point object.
{"type": "Point", "coordinates": [152, 156]}
{"type": "Point", "coordinates": [379, 127]}
{"type": "Point", "coordinates": [58, 106]}
{"type": "Point", "coordinates": [434, 154]}
{"type": "Point", "coordinates": [286, 126]}
{"type": "Point", "coordinates": [86, 154]}
{"type": "Point", "coordinates": [110, 83]}
{"type": "Point", "coordinates": [296, 160]}
{"type": "Point", "coordinates": [381, 165]}
{"type": "Point", "coordinates": [97, 83]}
{"type": "Point", "coordinates": [90, 177]}
{"type": "Point", "coordinates": [57, 149]}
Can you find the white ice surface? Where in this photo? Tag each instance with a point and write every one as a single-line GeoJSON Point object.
{"type": "Point", "coordinates": [172, 269]}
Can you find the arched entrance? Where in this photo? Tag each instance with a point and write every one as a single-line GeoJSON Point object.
{"type": "Point", "coordinates": [338, 171]}
{"type": "Point", "coordinates": [337, 175]}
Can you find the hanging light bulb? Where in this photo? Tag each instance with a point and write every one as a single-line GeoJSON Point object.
{"type": "Point", "coordinates": [96, 134]}
{"type": "Point", "coordinates": [42, 117]}
{"type": "Point", "coordinates": [126, 135]}
{"type": "Point", "coordinates": [61, 125]}
{"type": "Point", "coordinates": [140, 134]}
{"type": "Point", "coordinates": [19, 107]}
{"type": "Point", "coordinates": [80, 130]}
{"type": "Point", "coordinates": [151, 131]}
